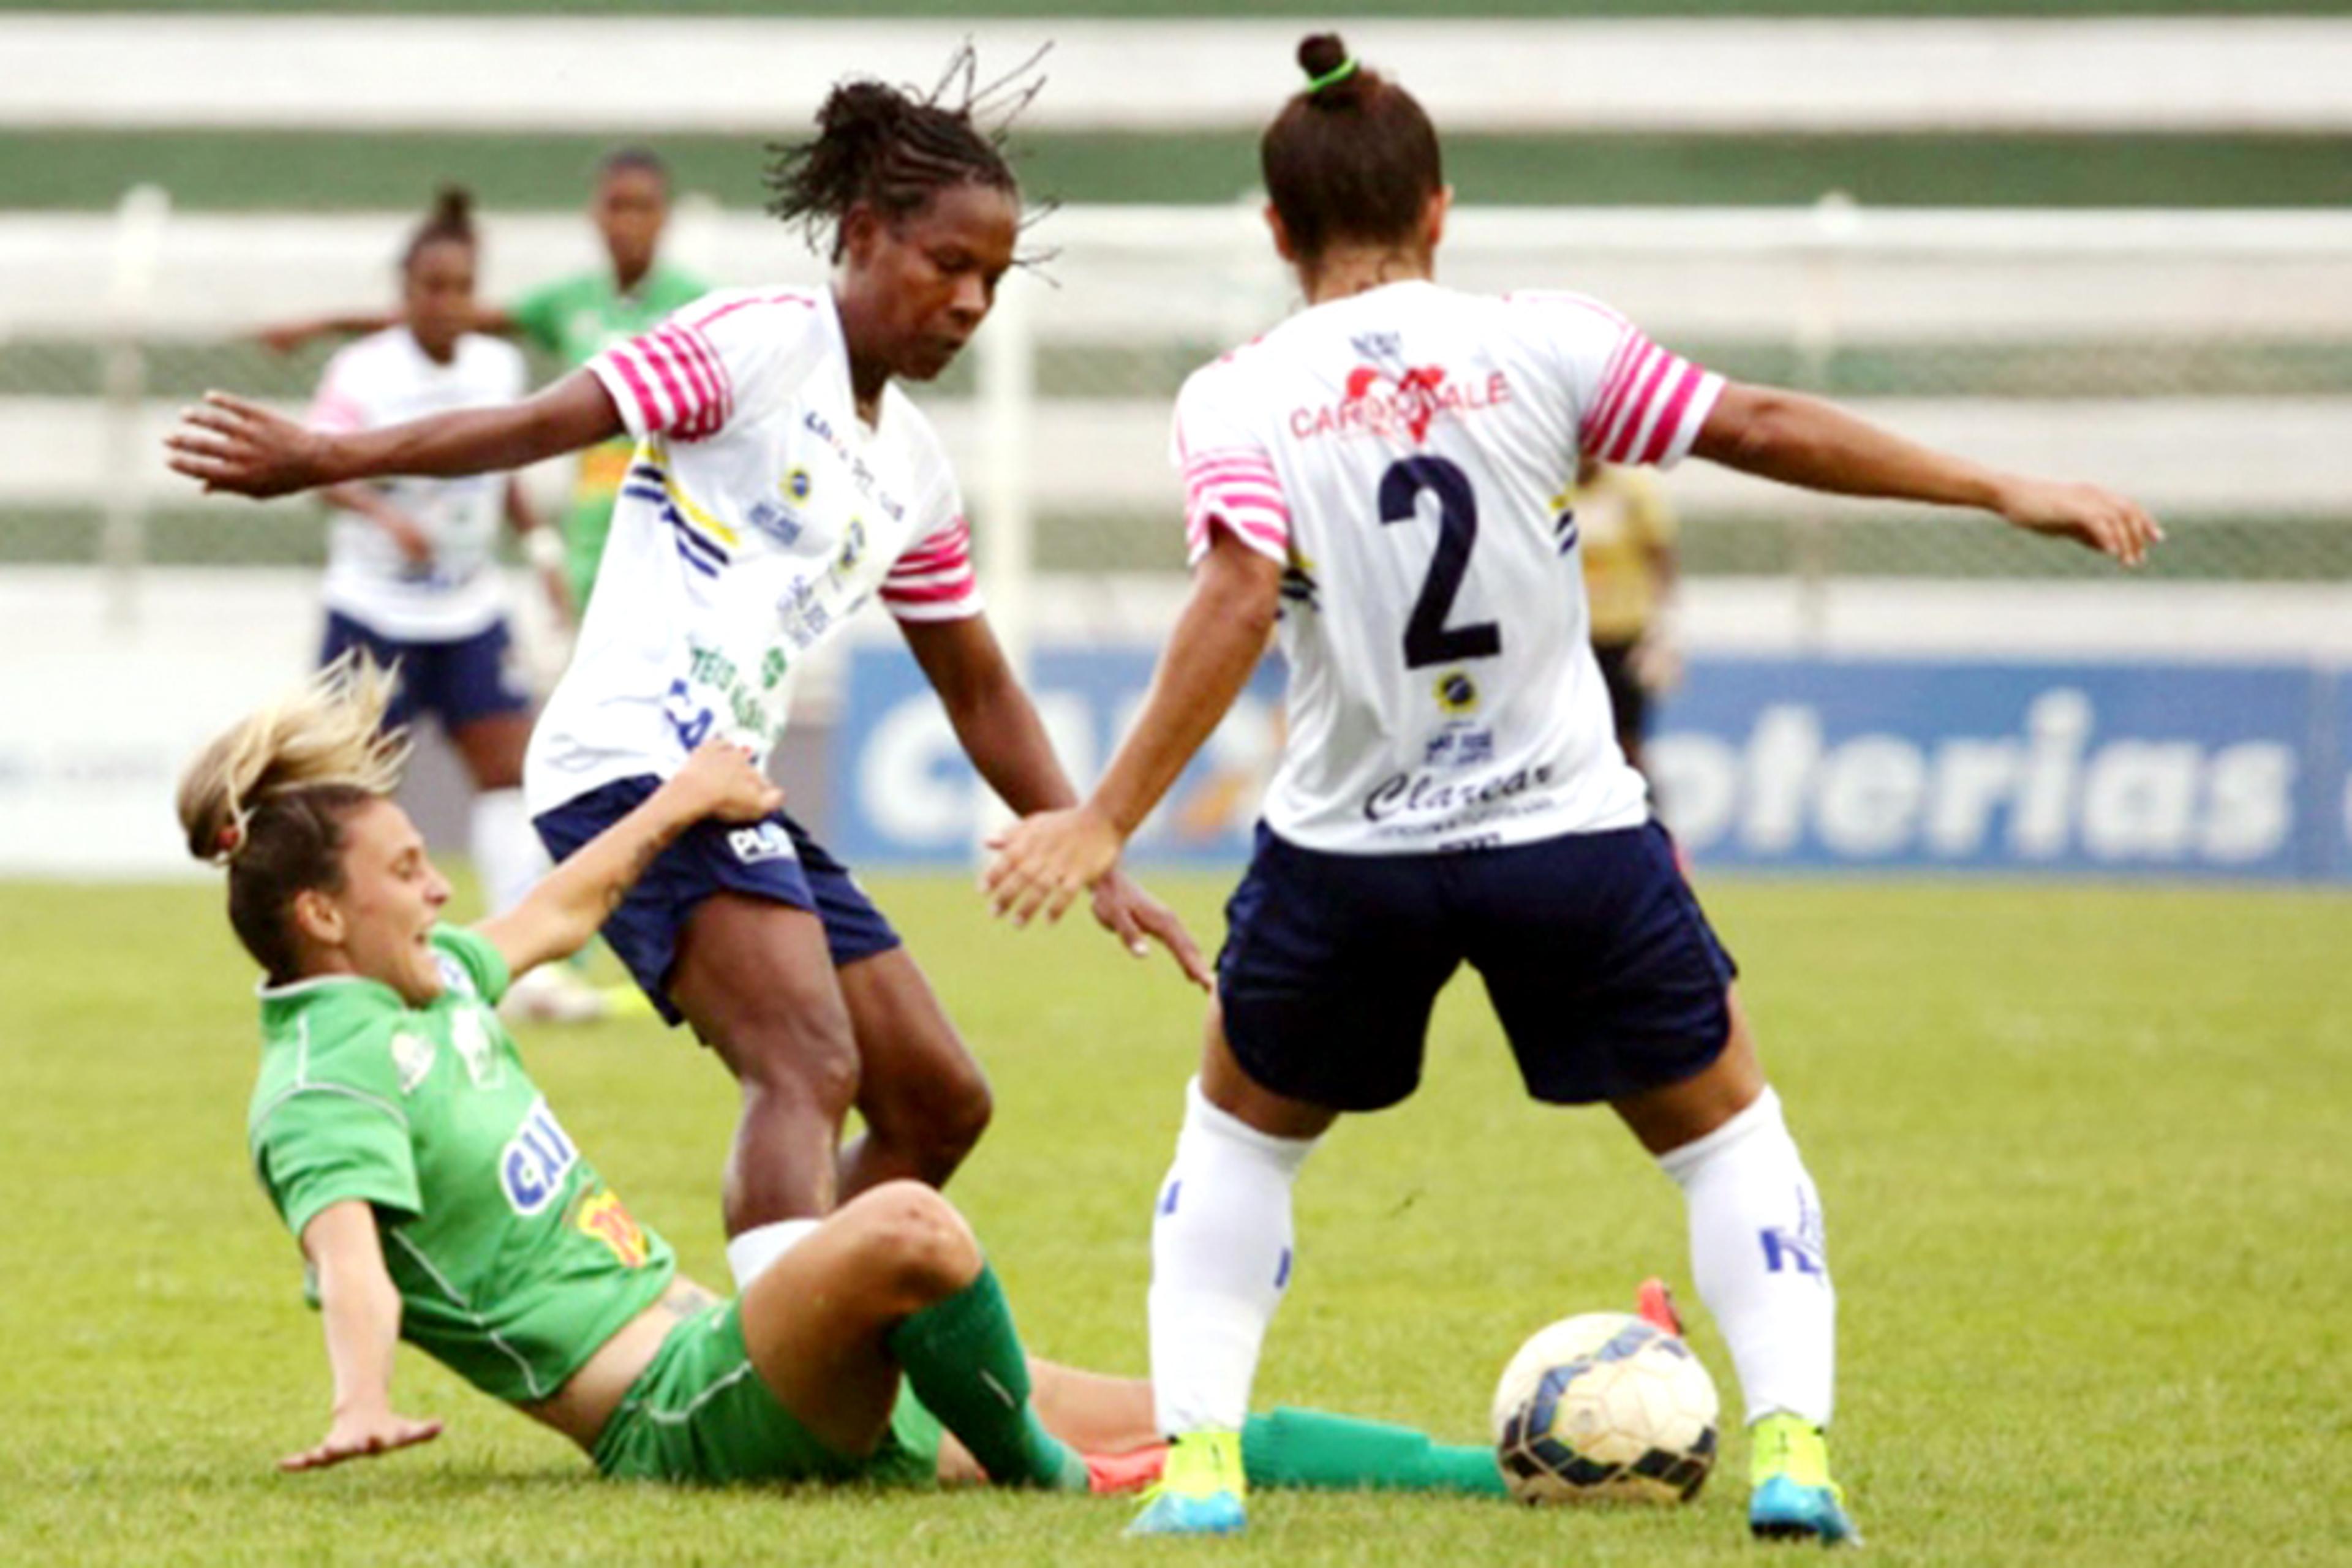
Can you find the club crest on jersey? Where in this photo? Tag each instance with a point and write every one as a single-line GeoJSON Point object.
{"type": "Point", "coordinates": [1456, 692]}
{"type": "Point", "coordinates": [471, 1038]}
{"type": "Point", "coordinates": [797, 483]}
{"type": "Point", "coordinates": [536, 1160]}
{"type": "Point", "coordinates": [412, 1058]}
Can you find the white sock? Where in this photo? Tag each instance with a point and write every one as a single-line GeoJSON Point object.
{"type": "Point", "coordinates": [506, 852]}
{"type": "Point", "coordinates": [1759, 1253]}
{"type": "Point", "coordinates": [1220, 1261]}
{"type": "Point", "coordinates": [748, 1255]}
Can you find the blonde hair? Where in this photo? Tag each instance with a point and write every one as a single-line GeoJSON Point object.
{"type": "Point", "coordinates": [266, 799]}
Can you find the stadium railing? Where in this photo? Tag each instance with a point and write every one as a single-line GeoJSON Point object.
{"type": "Point", "coordinates": [2201, 360]}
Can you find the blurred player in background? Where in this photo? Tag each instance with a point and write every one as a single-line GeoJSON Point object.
{"type": "Point", "coordinates": [575, 319]}
{"type": "Point", "coordinates": [1380, 471]}
{"type": "Point", "coordinates": [781, 481]}
{"type": "Point", "coordinates": [412, 568]}
{"type": "Point", "coordinates": [437, 1197]}
{"type": "Point", "coordinates": [1625, 531]}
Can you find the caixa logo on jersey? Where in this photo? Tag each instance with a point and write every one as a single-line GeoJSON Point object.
{"type": "Point", "coordinates": [536, 1161]}
{"type": "Point", "coordinates": [2175, 770]}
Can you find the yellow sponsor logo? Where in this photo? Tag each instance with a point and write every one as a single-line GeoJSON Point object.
{"type": "Point", "coordinates": [602, 1217]}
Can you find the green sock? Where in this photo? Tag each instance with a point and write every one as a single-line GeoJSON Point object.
{"type": "Point", "coordinates": [1312, 1449]}
{"type": "Point", "coordinates": [966, 1367]}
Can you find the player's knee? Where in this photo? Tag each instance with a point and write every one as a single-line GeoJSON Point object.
{"type": "Point", "coordinates": [950, 1111]}
{"type": "Point", "coordinates": [915, 1247]}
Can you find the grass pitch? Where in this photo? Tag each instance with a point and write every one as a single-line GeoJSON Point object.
{"type": "Point", "coordinates": [2083, 1153]}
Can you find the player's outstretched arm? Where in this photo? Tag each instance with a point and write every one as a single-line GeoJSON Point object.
{"type": "Point", "coordinates": [556, 919]}
{"type": "Point", "coordinates": [229, 443]}
{"type": "Point", "coordinates": [285, 337]}
{"type": "Point", "coordinates": [361, 1312]}
{"type": "Point", "coordinates": [1043, 861]}
{"type": "Point", "coordinates": [1802, 440]}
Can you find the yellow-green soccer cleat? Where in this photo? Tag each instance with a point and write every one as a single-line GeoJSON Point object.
{"type": "Point", "coordinates": [1794, 1498]}
{"type": "Point", "coordinates": [1201, 1491]}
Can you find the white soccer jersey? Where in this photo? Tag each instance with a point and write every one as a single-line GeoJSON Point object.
{"type": "Point", "coordinates": [384, 379]}
{"type": "Point", "coordinates": [1405, 452]}
{"type": "Point", "coordinates": [758, 514]}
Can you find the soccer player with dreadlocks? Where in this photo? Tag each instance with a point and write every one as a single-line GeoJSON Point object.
{"type": "Point", "coordinates": [780, 481]}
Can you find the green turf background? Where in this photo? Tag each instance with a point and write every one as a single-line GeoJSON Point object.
{"type": "Point", "coordinates": [2081, 1150]}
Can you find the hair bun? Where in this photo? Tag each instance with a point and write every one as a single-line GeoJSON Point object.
{"type": "Point", "coordinates": [453, 208]}
{"type": "Point", "coordinates": [1320, 53]}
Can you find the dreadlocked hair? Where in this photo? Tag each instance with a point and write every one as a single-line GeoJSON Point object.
{"type": "Point", "coordinates": [450, 219]}
{"type": "Point", "coordinates": [268, 799]}
{"type": "Point", "coordinates": [895, 148]}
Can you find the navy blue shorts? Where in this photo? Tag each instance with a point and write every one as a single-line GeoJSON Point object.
{"type": "Point", "coordinates": [773, 859]}
{"type": "Point", "coordinates": [1607, 978]}
{"type": "Point", "coordinates": [457, 681]}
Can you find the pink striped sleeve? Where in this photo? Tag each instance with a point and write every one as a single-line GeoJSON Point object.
{"type": "Point", "coordinates": [1234, 488]}
{"type": "Point", "coordinates": [666, 381]}
{"type": "Point", "coordinates": [933, 580]}
{"type": "Point", "coordinates": [1648, 404]}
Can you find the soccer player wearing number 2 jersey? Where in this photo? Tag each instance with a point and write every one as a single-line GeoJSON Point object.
{"type": "Point", "coordinates": [1377, 472]}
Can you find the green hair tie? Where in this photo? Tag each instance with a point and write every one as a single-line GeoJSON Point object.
{"type": "Point", "coordinates": [1331, 77]}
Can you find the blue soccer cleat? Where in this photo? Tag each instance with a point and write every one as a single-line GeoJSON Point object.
{"type": "Point", "coordinates": [1794, 1498]}
{"type": "Point", "coordinates": [1201, 1491]}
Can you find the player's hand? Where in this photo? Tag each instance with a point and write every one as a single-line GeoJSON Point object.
{"type": "Point", "coordinates": [1043, 862]}
{"type": "Point", "coordinates": [719, 780]}
{"type": "Point", "coordinates": [229, 443]}
{"type": "Point", "coordinates": [2105, 521]}
{"type": "Point", "coordinates": [1137, 919]}
{"type": "Point", "coordinates": [359, 1435]}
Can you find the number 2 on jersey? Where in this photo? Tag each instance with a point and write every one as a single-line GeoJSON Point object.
{"type": "Point", "coordinates": [1427, 638]}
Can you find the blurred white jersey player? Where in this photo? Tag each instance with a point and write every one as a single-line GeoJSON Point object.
{"type": "Point", "coordinates": [1403, 453]}
{"type": "Point", "coordinates": [413, 575]}
{"type": "Point", "coordinates": [441, 581]}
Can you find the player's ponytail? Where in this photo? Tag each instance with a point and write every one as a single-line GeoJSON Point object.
{"type": "Point", "coordinates": [893, 149]}
{"type": "Point", "coordinates": [1351, 157]}
{"type": "Point", "coordinates": [267, 798]}
{"type": "Point", "coordinates": [450, 220]}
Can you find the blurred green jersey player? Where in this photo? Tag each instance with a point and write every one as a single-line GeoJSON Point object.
{"type": "Point", "coordinates": [578, 317]}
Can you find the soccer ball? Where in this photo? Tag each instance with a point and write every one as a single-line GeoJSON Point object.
{"type": "Point", "coordinates": [1605, 1407]}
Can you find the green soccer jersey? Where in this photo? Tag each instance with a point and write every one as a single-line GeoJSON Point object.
{"type": "Point", "coordinates": [577, 317]}
{"type": "Point", "coordinates": [513, 1260]}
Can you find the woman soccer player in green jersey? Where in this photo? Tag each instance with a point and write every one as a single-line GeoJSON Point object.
{"type": "Point", "coordinates": [575, 318]}
{"type": "Point", "coordinates": [437, 1198]}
